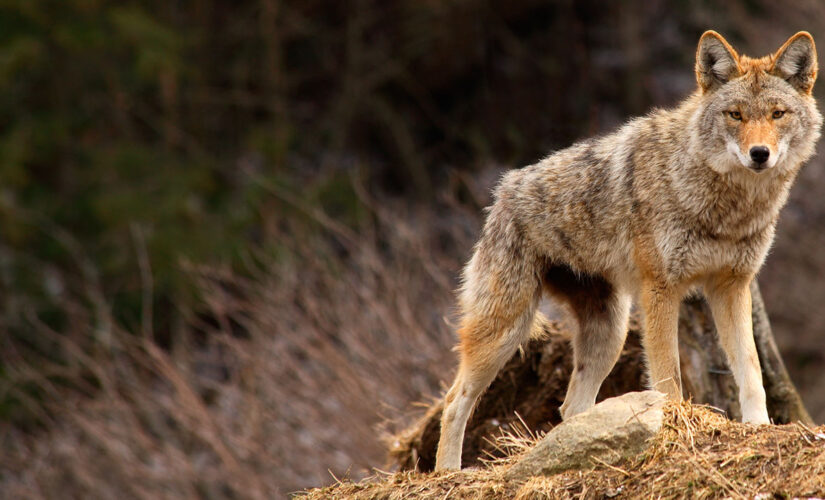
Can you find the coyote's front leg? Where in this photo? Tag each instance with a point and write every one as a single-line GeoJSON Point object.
{"type": "Point", "coordinates": [730, 302]}
{"type": "Point", "coordinates": [661, 310]}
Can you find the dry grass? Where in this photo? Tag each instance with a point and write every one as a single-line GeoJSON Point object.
{"type": "Point", "coordinates": [285, 384]}
{"type": "Point", "coordinates": [698, 454]}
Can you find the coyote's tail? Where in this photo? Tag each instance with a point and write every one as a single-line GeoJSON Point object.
{"type": "Point", "coordinates": [541, 327]}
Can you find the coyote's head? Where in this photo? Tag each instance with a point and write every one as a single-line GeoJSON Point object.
{"type": "Point", "coordinates": [756, 113]}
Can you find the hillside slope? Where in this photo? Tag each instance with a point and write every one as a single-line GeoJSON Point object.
{"type": "Point", "coordinates": [697, 454]}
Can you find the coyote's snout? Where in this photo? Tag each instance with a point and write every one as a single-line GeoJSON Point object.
{"type": "Point", "coordinates": [679, 200]}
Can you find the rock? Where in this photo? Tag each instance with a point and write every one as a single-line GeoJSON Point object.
{"type": "Point", "coordinates": [614, 429]}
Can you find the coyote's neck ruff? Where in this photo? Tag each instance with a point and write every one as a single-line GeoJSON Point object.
{"type": "Point", "coordinates": [678, 200]}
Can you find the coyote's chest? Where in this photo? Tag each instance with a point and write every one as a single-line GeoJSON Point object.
{"type": "Point", "coordinates": [703, 244]}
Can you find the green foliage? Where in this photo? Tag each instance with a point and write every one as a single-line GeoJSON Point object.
{"type": "Point", "coordinates": [91, 145]}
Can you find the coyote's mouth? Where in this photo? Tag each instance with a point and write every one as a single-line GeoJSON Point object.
{"type": "Point", "coordinates": [749, 163]}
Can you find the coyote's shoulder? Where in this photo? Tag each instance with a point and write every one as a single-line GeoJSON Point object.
{"type": "Point", "coordinates": [681, 199]}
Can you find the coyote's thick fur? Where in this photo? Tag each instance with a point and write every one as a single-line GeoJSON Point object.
{"type": "Point", "coordinates": [678, 200]}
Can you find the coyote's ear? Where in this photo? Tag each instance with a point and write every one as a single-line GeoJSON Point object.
{"type": "Point", "coordinates": [795, 62]}
{"type": "Point", "coordinates": [716, 61]}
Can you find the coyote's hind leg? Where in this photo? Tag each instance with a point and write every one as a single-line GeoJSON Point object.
{"type": "Point", "coordinates": [602, 313]}
{"type": "Point", "coordinates": [478, 368]}
{"type": "Point", "coordinates": [498, 302]}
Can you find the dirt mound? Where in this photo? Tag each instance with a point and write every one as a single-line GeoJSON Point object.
{"type": "Point", "coordinates": [530, 387]}
{"type": "Point", "coordinates": [698, 454]}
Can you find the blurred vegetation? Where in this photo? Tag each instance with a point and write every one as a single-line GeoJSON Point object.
{"type": "Point", "coordinates": [175, 128]}
{"type": "Point", "coordinates": [326, 162]}
{"type": "Point", "coordinates": [138, 137]}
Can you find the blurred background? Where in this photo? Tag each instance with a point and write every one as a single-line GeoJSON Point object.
{"type": "Point", "coordinates": [230, 231]}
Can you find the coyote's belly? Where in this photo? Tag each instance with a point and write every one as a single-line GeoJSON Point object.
{"type": "Point", "coordinates": [575, 208]}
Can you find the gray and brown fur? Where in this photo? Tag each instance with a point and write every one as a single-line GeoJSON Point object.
{"type": "Point", "coordinates": [676, 201]}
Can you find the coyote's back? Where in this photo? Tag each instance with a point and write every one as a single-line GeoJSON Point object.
{"type": "Point", "coordinates": [678, 200]}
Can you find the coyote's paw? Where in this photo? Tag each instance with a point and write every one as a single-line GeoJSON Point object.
{"type": "Point", "coordinates": [758, 417]}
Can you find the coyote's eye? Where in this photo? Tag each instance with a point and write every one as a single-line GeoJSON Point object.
{"type": "Point", "coordinates": [736, 115]}
{"type": "Point", "coordinates": [778, 114]}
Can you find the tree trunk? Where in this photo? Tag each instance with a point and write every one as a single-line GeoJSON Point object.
{"type": "Point", "coordinates": [532, 385]}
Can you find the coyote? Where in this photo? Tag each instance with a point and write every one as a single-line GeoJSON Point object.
{"type": "Point", "coordinates": [670, 203]}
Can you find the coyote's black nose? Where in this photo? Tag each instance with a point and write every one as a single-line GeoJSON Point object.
{"type": "Point", "coordinates": [760, 154]}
